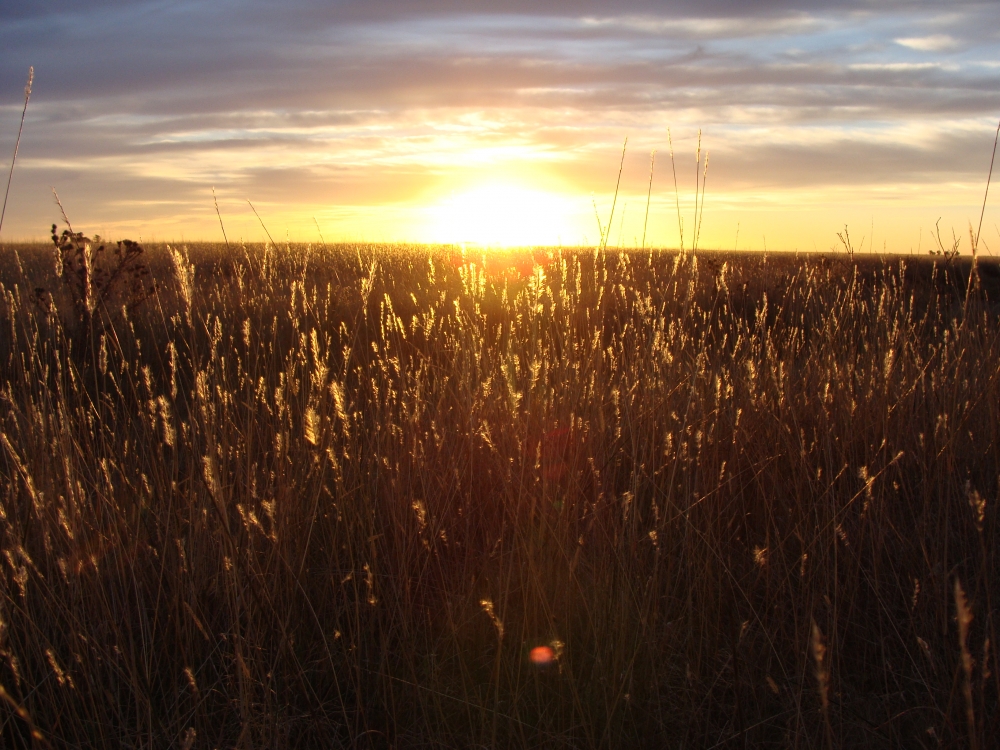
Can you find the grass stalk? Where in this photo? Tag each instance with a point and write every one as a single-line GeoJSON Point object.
{"type": "Point", "coordinates": [697, 176]}
{"type": "Point", "coordinates": [62, 210]}
{"type": "Point", "coordinates": [701, 213]}
{"type": "Point", "coordinates": [262, 224]}
{"type": "Point", "coordinates": [986, 194]}
{"type": "Point", "coordinates": [319, 232]}
{"type": "Point", "coordinates": [677, 194]}
{"type": "Point", "coordinates": [219, 214]}
{"type": "Point", "coordinates": [17, 143]}
{"type": "Point", "coordinates": [649, 193]}
{"type": "Point", "coordinates": [615, 200]}
{"type": "Point", "coordinates": [963, 615]}
{"type": "Point", "coordinates": [597, 217]}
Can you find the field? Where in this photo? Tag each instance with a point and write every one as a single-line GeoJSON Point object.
{"type": "Point", "coordinates": [322, 497]}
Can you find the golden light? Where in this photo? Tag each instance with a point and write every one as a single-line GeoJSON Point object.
{"type": "Point", "coordinates": [501, 214]}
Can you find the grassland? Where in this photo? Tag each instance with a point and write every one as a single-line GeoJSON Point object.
{"type": "Point", "coordinates": [333, 496]}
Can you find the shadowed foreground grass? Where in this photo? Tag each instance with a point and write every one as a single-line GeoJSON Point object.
{"type": "Point", "coordinates": [336, 497]}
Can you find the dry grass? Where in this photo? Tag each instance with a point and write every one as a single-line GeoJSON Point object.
{"type": "Point", "coordinates": [335, 498]}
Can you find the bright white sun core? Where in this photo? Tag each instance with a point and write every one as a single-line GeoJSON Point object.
{"type": "Point", "coordinates": [501, 214]}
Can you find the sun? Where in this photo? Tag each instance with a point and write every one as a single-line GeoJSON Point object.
{"type": "Point", "coordinates": [500, 214]}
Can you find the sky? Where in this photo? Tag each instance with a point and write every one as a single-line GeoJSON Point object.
{"type": "Point", "coordinates": [503, 122]}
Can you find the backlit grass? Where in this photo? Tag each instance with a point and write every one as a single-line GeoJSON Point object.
{"type": "Point", "coordinates": [351, 496]}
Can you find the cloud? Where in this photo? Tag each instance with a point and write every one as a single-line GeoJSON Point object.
{"type": "Point", "coordinates": [932, 43]}
{"type": "Point", "coordinates": [354, 103]}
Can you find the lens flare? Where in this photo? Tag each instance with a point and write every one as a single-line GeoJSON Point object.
{"type": "Point", "coordinates": [542, 655]}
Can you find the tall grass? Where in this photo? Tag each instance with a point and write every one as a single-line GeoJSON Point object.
{"type": "Point", "coordinates": [335, 497]}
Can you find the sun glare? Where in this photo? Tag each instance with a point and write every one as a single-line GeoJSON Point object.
{"type": "Point", "coordinates": [500, 214]}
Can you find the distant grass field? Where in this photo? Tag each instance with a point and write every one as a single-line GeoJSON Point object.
{"type": "Point", "coordinates": [335, 497]}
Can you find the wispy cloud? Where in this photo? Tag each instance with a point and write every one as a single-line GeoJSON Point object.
{"type": "Point", "coordinates": [932, 43]}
